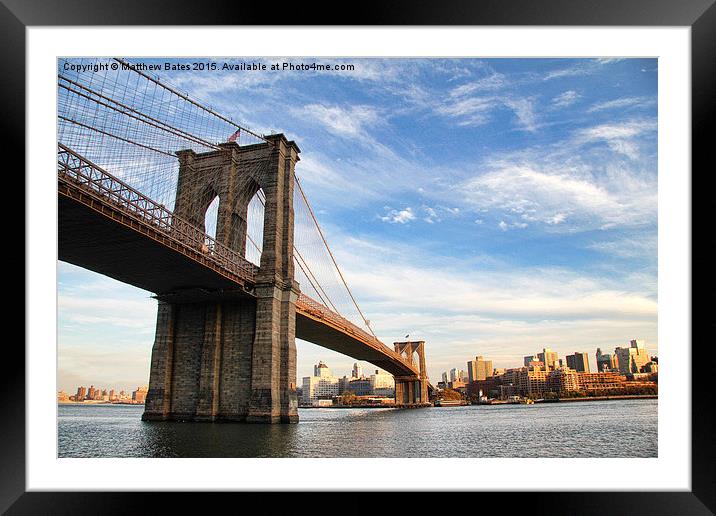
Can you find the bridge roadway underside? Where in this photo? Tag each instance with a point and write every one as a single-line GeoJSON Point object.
{"type": "Point", "coordinates": [93, 241]}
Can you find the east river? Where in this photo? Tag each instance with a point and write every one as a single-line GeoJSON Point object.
{"type": "Point", "coordinates": [615, 428]}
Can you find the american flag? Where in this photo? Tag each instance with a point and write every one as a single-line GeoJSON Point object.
{"type": "Point", "coordinates": [233, 137]}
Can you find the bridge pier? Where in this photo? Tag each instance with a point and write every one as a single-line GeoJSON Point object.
{"type": "Point", "coordinates": [232, 358]}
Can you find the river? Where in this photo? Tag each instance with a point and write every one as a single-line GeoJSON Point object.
{"type": "Point", "coordinates": [614, 428]}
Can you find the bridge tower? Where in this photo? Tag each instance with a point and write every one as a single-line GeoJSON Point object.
{"type": "Point", "coordinates": [230, 355]}
{"type": "Point", "coordinates": [412, 391]}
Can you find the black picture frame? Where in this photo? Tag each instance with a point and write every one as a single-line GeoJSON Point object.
{"type": "Point", "coordinates": [700, 15]}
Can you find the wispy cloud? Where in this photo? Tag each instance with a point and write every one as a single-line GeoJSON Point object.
{"type": "Point", "coordinates": [621, 103]}
{"type": "Point", "coordinates": [566, 98]}
{"type": "Point", "coordinates": [347, 121]}
{"type": "Point", "coordinates": [621, 137]}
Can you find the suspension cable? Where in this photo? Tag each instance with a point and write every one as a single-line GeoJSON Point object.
{"type": "Point", "coordinates": [318, 227]}
{"type": "Point", "coordinates": [127, 65]}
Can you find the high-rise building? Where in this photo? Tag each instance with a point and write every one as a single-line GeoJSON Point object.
{"type": "Point", "coordinates": [81, 394]}
{"type": "Point", "coordinates": [357, 370]}
{"type": "Point", "coordinates": [445, 377]}
{"type": "Point", "coordinates": [479, 369]}
{"type": "Point", "coordinates": [633, 358]}
{"type": "Point", "coordinates": [579, 362]}
{"type": "Point", "coordinates": [90, 393]}
{"type": "Point", "coordinates": [453, 374]}
{"type": "Point", "coordinates": [321, 370]}
{"type": "Point", "coordinates": [606, 362]}
{"type": "Point", "coordinates": [549, 358]}
{"type": "Point", "coordinates": [529, 359]}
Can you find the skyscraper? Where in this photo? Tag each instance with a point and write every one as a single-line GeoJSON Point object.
{"type": "Point", "coordinates": [321, 369]}
{"type": "Point", "coordinates": [633, 358]}
{"type": "Point", "coordinates": [605, 361]}
{"type": "Point", "coordinates": [549, 358]}
{"type": "Point", "coordinates": [479, 369]}
{"type": "Point", "coordinates": [579, 362]}
{"type": "Point", "coordinates": [357, 370]}
{"type": "Point", "coordinates": [529, 359]}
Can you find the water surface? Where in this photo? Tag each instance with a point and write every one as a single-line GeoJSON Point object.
{"type": "Point", "coordinates": [615, 428]}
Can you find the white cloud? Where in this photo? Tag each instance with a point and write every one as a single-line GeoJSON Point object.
{"type": "Point", "coordinates": [494, 81]}
{"type": "Point", "coordinates": [471, 111]}
{"type": "Point", "coordinates": [562, 195]}
{"type": "Point", "coordinates": [566, 99]}
{"type": "Point", "coordinates": [431, 216]}
{"type": "Point", "coordinates": [621, 103]}
{"type": "Point", "coordinates": [349, 121]}
{"type": "Point", "coordinates": [620, 137]}
{"type": "Point", "coordinates": [524, 110]}
{"type": "Point", "coordinates": [399, 217]}
{"type": "Point", "coordinates": [504, 226]}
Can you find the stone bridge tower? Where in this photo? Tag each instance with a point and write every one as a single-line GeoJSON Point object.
{"type": "Point", "coordinates": [412, 391]}
{"type": "Point", "coordinates": [228, 355]}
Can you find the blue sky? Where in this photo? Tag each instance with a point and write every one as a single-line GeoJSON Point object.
{"type": "Point", "coordinates": [487, 206]}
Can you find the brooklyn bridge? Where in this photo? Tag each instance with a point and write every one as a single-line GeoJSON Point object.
{"type": "Point", "coordinates": [157, 190]}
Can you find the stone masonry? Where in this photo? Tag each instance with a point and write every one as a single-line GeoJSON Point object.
{"type": "Point", "coordinates": [412, 391]}
{"type": "Point", "coordinates": [233, 358]}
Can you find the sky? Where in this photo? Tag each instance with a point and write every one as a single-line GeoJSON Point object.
{"type": "Point", "coordinates": [489, 207]}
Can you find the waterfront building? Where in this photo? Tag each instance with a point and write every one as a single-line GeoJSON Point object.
{"type": "Point", "coordinates": [319, 387]}
{"type": "Point", "coordinates": [479, 369]}
{"type": "Point", "coordinates": [322, 385]}
{"type": "Point", "coordinates": [382, 384]}
{"type": "Point", "coordinates": [600, 382]}
{"type": "Point", "coordinates": [90, 392]}
{"type": "Point", "coordinates": [579, 362]}
{"type": "Point", "coordinates": [633, 358]}
{"type": "Point", "coordinates": [445, 377]}
{"type": "Point", "coordinates": [533, 381]}
{"type": "Point", "coordinates": [360, 386]}
{"type": "Point", "coordinates": [453, 374]}
{"type": "Point", "coordinates": [563, 379]}
{"type": "Point", "coordinates": [343, 384]}
{"type": "Point", "coordinates": [140, 395]}
{"type": "Point", "coordinates": [81, 394]}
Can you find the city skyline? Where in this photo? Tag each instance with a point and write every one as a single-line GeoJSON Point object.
{"type": "Point", "coordinates": [496, 207]}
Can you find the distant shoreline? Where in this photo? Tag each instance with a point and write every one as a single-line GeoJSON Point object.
{"type": "Point", "coordinates": [604, 398]}
{"type": "Point", "coordinates": [586, 398]}
{"type": "Point", "coordinates": [90, 402]}
{"type": "Point", "coordinates": [558, 400]}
